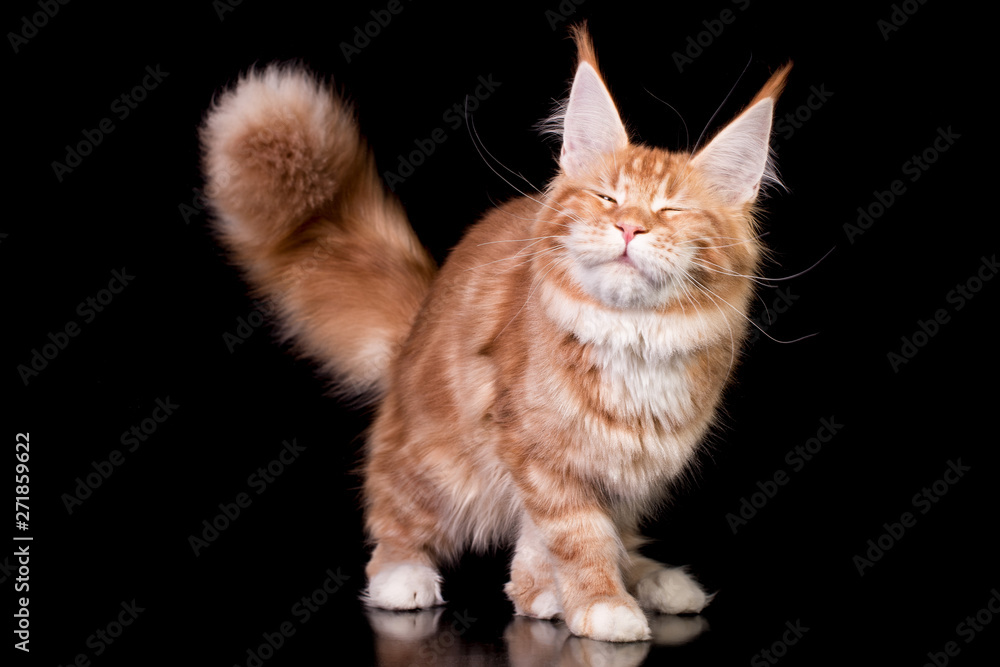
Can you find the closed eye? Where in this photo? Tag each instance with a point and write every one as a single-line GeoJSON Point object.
{"type": "Point", "coordinates": [606, 198]}
{"type": "Point", "coordinates": [669, 209]}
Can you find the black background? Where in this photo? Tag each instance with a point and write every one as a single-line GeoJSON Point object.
{"type": "Point", "coordinates": [132, 205]}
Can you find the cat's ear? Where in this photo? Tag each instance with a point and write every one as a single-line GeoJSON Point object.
{"type": "Point", "coordinates": [738, 160]}
{"type": "Point", "coordinates": [591, 126]}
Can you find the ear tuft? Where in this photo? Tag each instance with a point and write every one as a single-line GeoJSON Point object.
{"type": "Point", "coordinates": [588, 121]}
{"type": "Point", "coordinates": [738, 161]}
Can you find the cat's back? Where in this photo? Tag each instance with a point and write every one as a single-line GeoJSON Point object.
{"type": "Point", "coordinates": [487, 276]}
{"type": "Point", "coordinates": [477, 295]}
{"type": "Point", "coordinates": [503, 233]}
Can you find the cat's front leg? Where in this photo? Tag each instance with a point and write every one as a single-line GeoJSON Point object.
{"type": "Point", "coordinates": [585, 553]}
{"type": "Point", "coordinates": [532, 587]}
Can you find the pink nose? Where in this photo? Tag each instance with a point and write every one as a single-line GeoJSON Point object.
{"type": "Point", "coordinates": [630, 231]}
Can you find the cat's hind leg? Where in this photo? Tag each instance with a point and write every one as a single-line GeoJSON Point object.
{"type": "Point", "coordinates": [657, 587]}
{"type": "Point", "coordinates": [402, 578]}
{"type": "Point", "coordinates": [405, 519]}
{"type": "Point", "coordinates": [406, 528]}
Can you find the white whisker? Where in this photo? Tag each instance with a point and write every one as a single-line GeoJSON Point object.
{"type": "Point", "coordinates": [743, 315]}
{"type": "Point", "coordinates": [517, 255]}
{"type": "Point", "coordinates": [474, 135]}
{"type": "Point", "coordinates": [732, 338]}
{"type": "Point", "coordinates": [716, 268]}
{"type": "Point", "coordinates": [534, 238]}
{"type": "Point", "coordinates": [531, 258]}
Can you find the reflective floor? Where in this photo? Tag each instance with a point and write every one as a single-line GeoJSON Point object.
{"type": "Point", "coordinates": [440, 637]}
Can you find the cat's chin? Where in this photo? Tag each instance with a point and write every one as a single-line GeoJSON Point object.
{"type": "Point", "coordinates": [621, 283]}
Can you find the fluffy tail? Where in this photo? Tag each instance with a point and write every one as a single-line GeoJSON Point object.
{"type": "Point", "coordinates": [299, 204]}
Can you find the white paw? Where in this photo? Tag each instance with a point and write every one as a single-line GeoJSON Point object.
{"type": "Point", "coordinates": [405, 586]}
{"type": "Point", "coordinates": [545, 605]}
{"type": "Point", "coordinates": [671, 591]}
{"type": "Point", "coordinates": [610, 620]}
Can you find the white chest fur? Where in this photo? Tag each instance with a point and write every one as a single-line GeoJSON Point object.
{"type": "Point", "coordinates": [648, 334]}
{"type": "Point", "coordinates": [645, 381]}
{"type": "Point", "coordinates": [644, 387]}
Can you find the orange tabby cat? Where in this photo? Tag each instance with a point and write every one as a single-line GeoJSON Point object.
{"type": "Point", "coordinates": [550, 381]}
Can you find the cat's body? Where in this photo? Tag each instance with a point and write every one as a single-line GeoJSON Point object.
{"type": "Point", "coordinates": [547, 385]}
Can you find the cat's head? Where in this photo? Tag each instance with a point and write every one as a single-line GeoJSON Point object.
{"type": "Point", "coordinates": [639, 227]}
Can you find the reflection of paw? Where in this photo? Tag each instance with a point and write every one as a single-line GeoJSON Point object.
{"type": "Point", "coordinates": [537, 636]}
{"type": "Point", "coordinates": [671, 591]}
{"type": "Point", "coordinates": [404, 625]}
{"type": "Point", "coordinates": [405, 586]}
{"type": "Point", "coordinates": [671, 630]}
{"type": "Point", "coordinates": [611, 620]}
{"type": "Point", "coordinates": [581, 651]}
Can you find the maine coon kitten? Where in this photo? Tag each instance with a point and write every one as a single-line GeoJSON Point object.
{"type": "Point", "coordinates": [551, 380]}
